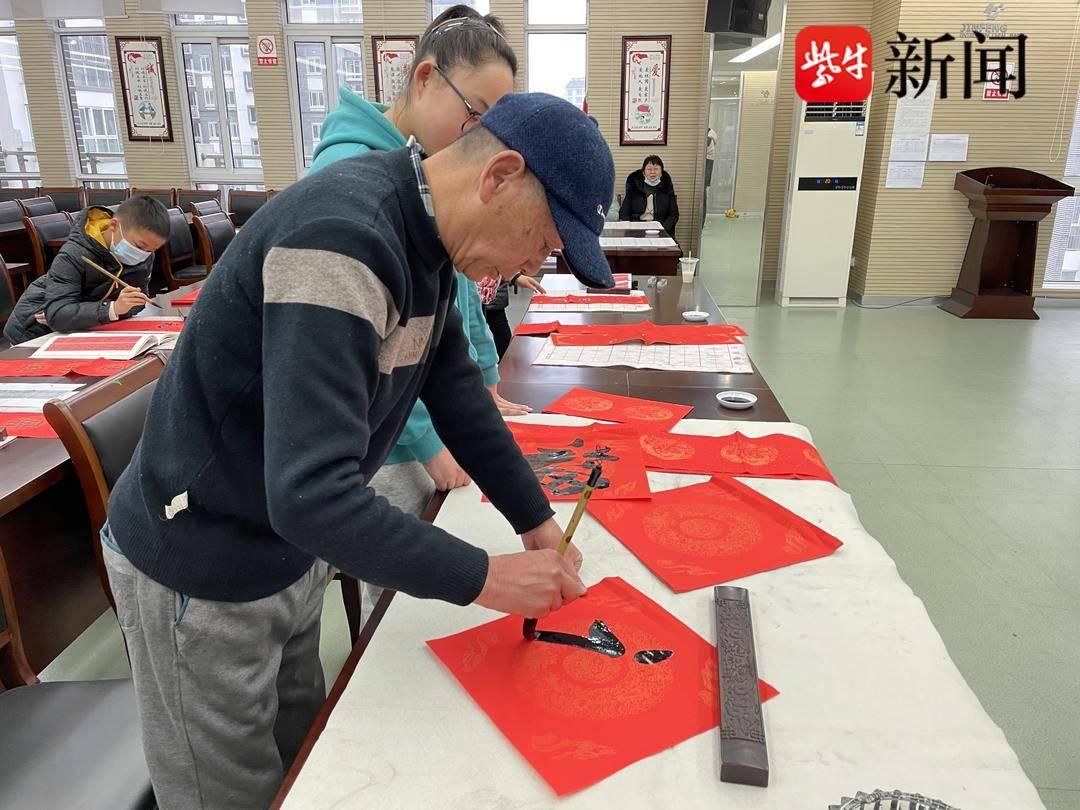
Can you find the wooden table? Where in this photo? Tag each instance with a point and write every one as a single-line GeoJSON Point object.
{"type": "Point", "coordinates": [45, 535]}
{"type": "Point", "coordinates": [644, 261]}
{"type": "Point", "coordinates": [539, 385]}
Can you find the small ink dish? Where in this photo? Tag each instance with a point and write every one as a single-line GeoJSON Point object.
{"type": "Point", "coordinates": [695, 315]}
{"type": "Point", "coordinates": [736, 400]}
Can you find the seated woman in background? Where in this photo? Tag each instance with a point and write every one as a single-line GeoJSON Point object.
{"type": "Point", "coordinates": [650, 195]}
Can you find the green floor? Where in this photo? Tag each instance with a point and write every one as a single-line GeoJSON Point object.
{"type": "Point", "coordinates": [960, 443]}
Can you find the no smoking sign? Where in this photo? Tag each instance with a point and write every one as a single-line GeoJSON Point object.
{"type": "Point", "coordinates": [266, 52]}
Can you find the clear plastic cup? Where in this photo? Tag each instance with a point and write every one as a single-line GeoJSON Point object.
{"type": "Point", "coordinates": [688, 268]}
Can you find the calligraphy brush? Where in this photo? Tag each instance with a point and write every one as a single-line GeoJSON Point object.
{"type": "Point", "coordinates": [528, 629]}
{"type": "Point", "coordinates": [111, 275]}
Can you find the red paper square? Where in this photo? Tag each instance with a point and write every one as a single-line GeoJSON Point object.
{"type": "Point", "coordinates": [712, 533]}
{"type": "Point", "coordinates": [35, 368]}
{"type": "Point", "coordinates": [774, 456]}
{"type": "Point", "coordinates": [537, 329]}
{"type": "Point", "coordinates": [643, 413]}
{"type": "Point", "coordinates": [620, 455]}
{"type": "Point", "coordinates": [101, 368]}
{"type": "Point", "coordinates": [833, 63]}
{"type": "Point", "coordinates": [578, 716]}
{"type": "Point", "coordinates": [28, 425]}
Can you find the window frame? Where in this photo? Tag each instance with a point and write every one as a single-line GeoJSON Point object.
{"type": "Point", "coordinates": [215, 36]}
{"type": "Point", "coordinates": [328, 35]}
{"type": "Point", "coordinates": [555, 28]}
{"type": "Point", "coordinates": [431, 10]}
{"type": "Point", "coordinates": [83, 178]}
{"type": "Point", "coordinates": [20, 177]}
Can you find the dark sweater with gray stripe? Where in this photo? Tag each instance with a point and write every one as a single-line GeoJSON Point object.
{"type": "Point", "coordinates": [325, 319]}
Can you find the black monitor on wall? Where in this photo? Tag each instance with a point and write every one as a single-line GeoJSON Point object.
{"type": "Point", "coordinates": [738, 16]}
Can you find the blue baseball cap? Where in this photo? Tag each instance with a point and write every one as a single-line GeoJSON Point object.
{"type": "Point", "coordinates": [564, 149]}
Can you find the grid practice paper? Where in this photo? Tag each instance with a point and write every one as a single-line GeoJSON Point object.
{"type": "Point", "coordinates": [33, 396]}
{"type": "Point", "coordinates": [636, 242]}
{"type": "Point", "coordinates": [720, 359]}
{"type": "Point", "coordinates": [633, 225]}
{"type": "Point", "coordinates": [636, 301]}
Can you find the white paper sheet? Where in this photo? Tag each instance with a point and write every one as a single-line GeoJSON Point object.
{"type": "Point", "coordinates": [905, 175]}
{"type": "Point", "coordinates": [913, 115]}
{"type": "Point", "coordinates": [908, 147]}
{"type": "Point", "coordinates": [720, 359]}
{"type": "Point", "coordinates": [633, 226]}
{"type": "Point", "coordinates": [33, 396]}
{"type": "Point", "coordinates": [948, 147]}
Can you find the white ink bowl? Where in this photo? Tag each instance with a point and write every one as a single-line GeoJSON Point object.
{"type": "Point", "coordinates": [736, 400]}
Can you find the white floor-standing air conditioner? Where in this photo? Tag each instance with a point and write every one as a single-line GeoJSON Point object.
{"type": "Point", "coordinates": [824, 179]}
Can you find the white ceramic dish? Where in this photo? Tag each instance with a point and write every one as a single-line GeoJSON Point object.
{"type": "Point", "coordinates": [736, 400]}
{"type": "Point", "coordinates": [695, 315]}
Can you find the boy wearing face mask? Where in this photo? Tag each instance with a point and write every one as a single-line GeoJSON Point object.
{"type": "Point", "coordinates": [73, 296]}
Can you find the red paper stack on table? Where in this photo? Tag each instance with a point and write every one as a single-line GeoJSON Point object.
{"type": "Point", "coordinates": [774, 456]}
{"type": "Point", "coordinates": [186, 300]}
{"type": "Point", "coordinates": [576, 714]}
{"type": "Point", "coordinates": [643, 413]}
{"type": "Point", "coordinates": [62, 368]}
{"type": "Point", "coordinates": [141, 325]}
{"type": "Point", "coordinates": [710, 533]}
{"type": "Point", "coordinates": [651, 334]}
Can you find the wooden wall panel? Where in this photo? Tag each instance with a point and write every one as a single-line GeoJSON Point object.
{"type": "Point", "coordinates": [684, 155]}
{"type": "Point", "coordinates": [152, 164]}
{"type": "Point", "coordinates": [916, 241]}
{"type": "Point", "coordinates": [272, 99]}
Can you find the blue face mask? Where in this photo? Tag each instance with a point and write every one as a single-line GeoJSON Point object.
{"type": "Point", "coordinates": [653, 183]}
{"type": "Point", "coordinates": [126, 253]}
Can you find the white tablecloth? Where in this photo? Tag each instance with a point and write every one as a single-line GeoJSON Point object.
{"type": "Point", "coordinates": [869, 696]}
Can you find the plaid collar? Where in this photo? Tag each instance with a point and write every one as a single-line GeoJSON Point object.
{"type": "Point", "coordinates": [416, 156]}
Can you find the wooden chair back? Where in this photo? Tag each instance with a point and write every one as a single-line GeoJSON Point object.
{"type": "Point", "coordinates": [185, 196]}
{"type": "Point", "coordinates": [100, 427]}
{"type": "Point", "coordinates": [165, 196]}
{"type": "Point", "coordinates": [106, 196]}
{"type": "Point", "coordinates": [19, 193]}
{"type": "Point", "coordinates": [7, 294]}
{"type": "Point", "coordinates": [178, 253]}
{"type": "Point", "coordinates": [215, 232]}
{"type": "Point", "coordinates": [204, 208]}
{"type": "Point", "coordinates": [66, 198]}
{"type": "Point", "coordinates": [41, 230]}
{"type": "Point", "coordinates": [243, 204]}
{"type": "Point", "coordinates": [38, 206]}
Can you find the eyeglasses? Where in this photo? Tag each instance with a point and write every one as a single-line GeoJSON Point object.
{"type": "Point", "coordinates": [474, 114]}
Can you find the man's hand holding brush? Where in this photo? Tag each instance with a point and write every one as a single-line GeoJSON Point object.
{"type": "Point", "coordinates": [530, 583]}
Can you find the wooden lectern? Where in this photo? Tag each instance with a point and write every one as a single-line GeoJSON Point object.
{"type": "Point", "coordinates": [996, 279]}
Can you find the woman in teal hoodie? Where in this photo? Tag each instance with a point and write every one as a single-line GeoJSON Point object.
{"type": "Point", "coordinates": [463, 65]}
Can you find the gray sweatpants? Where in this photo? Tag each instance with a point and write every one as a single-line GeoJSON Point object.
{"type": "Point", "coordinates": [408, 487]}
{"type": "Point", "coordinates": [227, 690]}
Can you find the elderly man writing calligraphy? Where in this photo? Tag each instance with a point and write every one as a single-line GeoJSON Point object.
{"type": "Point", "coordinates": [325, 320]}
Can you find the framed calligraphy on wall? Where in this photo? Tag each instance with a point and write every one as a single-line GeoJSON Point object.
{"type": "Point", "coordinates": [142, 84]}
{"type": "Point", "coordinates": [393, 62]}
{"type": "Point", "coordinates": [646, 80]}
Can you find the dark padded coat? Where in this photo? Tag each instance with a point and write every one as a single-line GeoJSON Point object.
{"type": "Point", "coordinates": [665, 204]}
{"type": "Point", "coordinates": [73, 295]}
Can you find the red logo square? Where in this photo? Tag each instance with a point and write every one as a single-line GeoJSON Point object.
{"type": "Point", "coordinates": [833, 63]}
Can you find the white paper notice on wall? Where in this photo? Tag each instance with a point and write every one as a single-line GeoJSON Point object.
{"type": "Point", "coordinates": [908, 147]}
{"type": "Point", "coordinates": [905, 174]}
{"type": "Point", "coordinates": [948, 147]}
{"type": "Point", "coordinates": [913, 115]}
